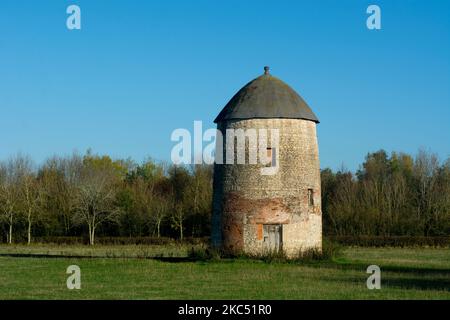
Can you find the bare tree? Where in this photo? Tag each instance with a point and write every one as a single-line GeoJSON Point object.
{"type": "Point", "coordinates": [160, 211]}
{"type": "Point", "coordinates": [425, 170]}
{"type": "Point", "coordinates": [8, 202]}
{"type": "Point", "coordinates": [180, 181]}
{"type": "Point", "coordinates": [9, 192]}
{"type": "Point", "coordinates": [27, 190]}
{"type": "Point", "coordinates": [95, 198]}
{"type": "Point", "coordinates": [178, 217]}
{"type": "Point", "coordinates": [31, 195]}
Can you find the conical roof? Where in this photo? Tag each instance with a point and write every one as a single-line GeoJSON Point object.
{"type": "Point", "coordinates": [266, 97]}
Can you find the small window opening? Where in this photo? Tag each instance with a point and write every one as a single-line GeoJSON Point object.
{"type": "Point", "coordinates": [311, 197]}
{"type": "Point", "coordinates": [271, 154]}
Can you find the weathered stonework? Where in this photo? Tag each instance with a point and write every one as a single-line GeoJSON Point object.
{"type": "Point", "coordinates": [244, 200]}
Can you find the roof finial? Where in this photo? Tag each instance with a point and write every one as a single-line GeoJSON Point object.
{"type": "Point", "coordinates": [266, 70]}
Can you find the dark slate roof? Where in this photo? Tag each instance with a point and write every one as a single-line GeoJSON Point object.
{"type": "Point", "coordinates": [266, 97]}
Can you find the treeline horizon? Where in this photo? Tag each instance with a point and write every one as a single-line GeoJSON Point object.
{"type": "Point", "coordinates": [89, 195]}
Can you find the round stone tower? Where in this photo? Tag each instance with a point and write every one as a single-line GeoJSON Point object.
{"type": "Point", "coordinates": [255, 211]}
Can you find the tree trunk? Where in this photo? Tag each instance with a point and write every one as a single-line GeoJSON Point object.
{"type": "Point", "coordinates": [10, 232]}
{"type": "Point", "coordinates": [29, 228]}
{"type": "Point", "coordinates": [90, 234]}
{"type": "Point", "coordinates": [29, 232]}
{"type": "Point", "coordinates": [158, 224]}
{"type": "Point", "coordinates": [93, 236]}
{"type": "Point", "coordinates": [181, 229]}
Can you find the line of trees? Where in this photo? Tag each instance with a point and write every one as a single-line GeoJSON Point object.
{"type": "Point", "coordinates": [389, 196]}
{"type": "Point", "coordinates": [89, 194]}
{"type": "Point", "coordinates": [75, 195]}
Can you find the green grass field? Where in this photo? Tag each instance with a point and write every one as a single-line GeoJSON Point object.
{"type": "Point", "coordinates": [128, 272]}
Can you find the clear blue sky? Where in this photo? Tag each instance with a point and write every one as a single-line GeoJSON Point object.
{"type": "Point", "coordinates": [137, 70]}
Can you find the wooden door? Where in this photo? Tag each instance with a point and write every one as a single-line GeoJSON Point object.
{"type": "Point", "coordinates": [272, 237]}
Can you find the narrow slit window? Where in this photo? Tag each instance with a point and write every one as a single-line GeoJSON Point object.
{"type": "Point", "coordinates": [311, 197]}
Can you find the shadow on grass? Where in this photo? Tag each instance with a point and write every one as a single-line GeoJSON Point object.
{"type": "Point", "coordinates": [419, 283]}
{"type": "Point", "coordinates": [397, 269]}
{"type": "Point", "coordinates": [400, 276]}
{"type": "Point", "coordinates": [331, 264]}
{"type": "Point", "coordinates": [68, 256]}
{"type": "Point", "coordinates": [41, 256]}
{"type": "Point", "coordinates": [399, 281]}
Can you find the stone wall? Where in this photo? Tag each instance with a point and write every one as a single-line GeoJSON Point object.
{"type": "Point", "coordinates": [244, 199]}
